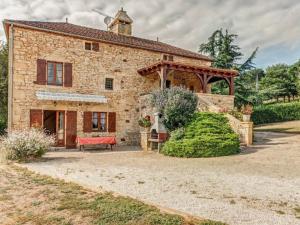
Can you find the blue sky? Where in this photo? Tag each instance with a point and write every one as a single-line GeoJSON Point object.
{"type": "Point", "coordinates": [273, 26]}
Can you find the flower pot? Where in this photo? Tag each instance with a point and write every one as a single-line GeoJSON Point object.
{"type": "Point", "coordinates": [246, 118]}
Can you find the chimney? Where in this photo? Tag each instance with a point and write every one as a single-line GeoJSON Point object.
{"type": "Point", "coordinates": [121, 24]}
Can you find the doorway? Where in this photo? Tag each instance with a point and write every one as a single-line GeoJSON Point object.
{"type": "Point", "coordinates": [54, 124]}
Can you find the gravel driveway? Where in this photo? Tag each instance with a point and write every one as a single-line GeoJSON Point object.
{"type": "Point", "coordinates": [259, 186]}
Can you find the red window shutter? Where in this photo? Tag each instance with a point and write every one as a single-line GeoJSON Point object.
{"type": "Point", "coordinates": [36, 118]}
{"type": "Point", "coordinates": [87, 122]}
{"type": "Point", "coordinates": [71, 129]}
{"type": "Point", "coordinates": [68, 79]}
{"type": "Point", "coordinates": [95, 46]}
{"type": "Point", "coordinates": [41, 72]}
{"type": "Point", "coordinates": [111, 122]}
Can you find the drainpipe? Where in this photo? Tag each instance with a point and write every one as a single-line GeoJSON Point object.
{"type": "Point", "coordinates": [10, 78]}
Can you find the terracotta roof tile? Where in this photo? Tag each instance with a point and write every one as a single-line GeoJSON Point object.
{"type": "Point", "coordinates": [106, 36]}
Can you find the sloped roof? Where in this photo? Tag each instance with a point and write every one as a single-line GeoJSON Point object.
{"type": "Point", "coordinates": [105, 36]}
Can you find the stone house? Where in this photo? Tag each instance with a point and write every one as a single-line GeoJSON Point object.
{"type": "Point", "coordinates": [79, 81]}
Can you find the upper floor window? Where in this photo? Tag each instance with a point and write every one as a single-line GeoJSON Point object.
{"type": "Point", "coordinates": [168, 57]}
{"type": "Point", "coordinates": [109, 83]}
{"type": "Point", "coordinates": [54, 73]}
{"type": "Point", "coordinates": [88, 46]}
{"type": "Point", "coordinates": [91, 46]}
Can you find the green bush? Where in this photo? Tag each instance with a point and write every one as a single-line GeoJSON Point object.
{"type": "Point", "coordinates": [207, 135]}
{"type": "Point", "coordinates": [2, 126]}
{"type": "Point", "coordinates": [176, 104]}
{"type": "Point", "coordinates": [272, 113]}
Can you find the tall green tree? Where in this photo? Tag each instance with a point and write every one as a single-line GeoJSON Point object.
{"type": "Point", "coordinates": [226, 54]}
{"type": "Point", "coordinates": [3, 82]}
{"type": "Point", "coordinates": [280, 81]}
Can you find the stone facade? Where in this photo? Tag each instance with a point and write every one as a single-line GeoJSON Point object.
{"type": "Point", "coordinates": [90, 69]}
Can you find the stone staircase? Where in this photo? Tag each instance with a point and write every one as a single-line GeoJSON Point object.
{"type": "Point", "coordinates": [243, 129]}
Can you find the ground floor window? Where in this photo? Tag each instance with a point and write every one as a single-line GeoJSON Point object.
{"type": "Point", "coordinates": [99, 121]}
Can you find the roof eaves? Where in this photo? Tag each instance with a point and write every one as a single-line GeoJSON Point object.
{"type": "Point", "coordinates": [206, 58]}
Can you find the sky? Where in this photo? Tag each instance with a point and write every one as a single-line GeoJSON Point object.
{"type": "Point", "coordinates": [271, 25]}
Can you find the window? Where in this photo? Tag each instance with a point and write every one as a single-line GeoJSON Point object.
{"type": "Point", "coordinates": [168, 83]}
{"type": "Point", "coordinates": [88, 46]}
{"type": "Point", "coordinates": [55, 73]}
{"type": "Point", "coordinates": [95, 46]}
{"type": "Point", "coordinates": [99, 121]}
{"type": "Point", "coordinates": [109, 83]}
{"type": "Point", "coordinates": [168, 57]}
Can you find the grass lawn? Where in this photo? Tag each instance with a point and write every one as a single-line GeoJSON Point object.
{"type": "Point", "coordinates": [286, 127]}
{"type": "Point", "coordinates": [29, 198]}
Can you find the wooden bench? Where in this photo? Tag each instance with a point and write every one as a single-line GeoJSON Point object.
{"type": "Point", "coordinates": [81, 141]}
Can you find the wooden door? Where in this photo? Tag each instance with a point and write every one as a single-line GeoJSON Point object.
{"type": "Point", "coordinates": [60, 128]}
{"type": "Point", "coordinates": [71, 129]}
{"type": "Point", "coordinates": [36, 118]}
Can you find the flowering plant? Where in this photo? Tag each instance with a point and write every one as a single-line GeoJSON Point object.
{"type": "Point", "coordinates": [25, 144]}
{"type": "Point", "coordinates": [145, 122]}
{"type": "Point", "coordinates": [247, 109]}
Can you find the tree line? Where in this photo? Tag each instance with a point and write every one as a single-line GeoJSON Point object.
{"type": "Point", "coordinates": [253, 85]}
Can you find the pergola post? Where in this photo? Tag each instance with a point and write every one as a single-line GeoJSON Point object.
{"type": "Point", "coordinates": [231, 86]}
{"type": "Point", "coordinates": [204, 88]}
{"type": "Point", "coordinates": [163, 76]}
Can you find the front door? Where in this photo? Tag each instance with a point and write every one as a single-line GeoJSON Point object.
{"type": "Point", "coordinates": [60, 128]}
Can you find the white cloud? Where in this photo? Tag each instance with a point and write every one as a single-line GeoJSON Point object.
{"type": "Point", "coordinates": [185, 23]}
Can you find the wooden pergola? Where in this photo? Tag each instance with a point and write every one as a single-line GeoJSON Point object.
{"type": "Point", "coordinates": [205, 74]}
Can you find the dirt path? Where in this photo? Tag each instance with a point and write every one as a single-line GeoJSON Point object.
{"type": "Point", "coordinates": [259, 186]}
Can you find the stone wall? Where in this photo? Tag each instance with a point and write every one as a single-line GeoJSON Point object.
{"type": "Point", "coordinates": [221, 101]}
{"type": "Point", "coordinates": [89, 72]}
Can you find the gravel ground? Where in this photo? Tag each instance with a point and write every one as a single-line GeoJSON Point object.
{"type": "Point", "coordinates": [259, 186]}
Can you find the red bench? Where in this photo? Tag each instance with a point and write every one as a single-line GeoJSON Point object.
{"type": "Point", "coordinates": [81, 141]}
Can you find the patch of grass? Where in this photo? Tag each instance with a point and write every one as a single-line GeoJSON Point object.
{"type": "Point", "coordinates": [280, 212]}
{"type": "Point", "coordinates": [98, 208]}
{"type": "Point", "coordinates": [5, 198]}
{"type": "Point", "coordinates": [232, 202]}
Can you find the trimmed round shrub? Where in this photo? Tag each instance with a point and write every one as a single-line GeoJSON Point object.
{"type": "Point", "coordinates": [207, 135]}
{"type": "Point", "coordinates": [25, 144]}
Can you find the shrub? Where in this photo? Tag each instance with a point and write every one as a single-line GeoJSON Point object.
{"type": "Point", "coordinates": [272, 113]}
{"type": "Point", "coordinates": [2, 126]}
{"type": "Point", "coordinates": [176, 104]}
{"type": "Point", "coordinates": [26, 144]}
{"type": "Point", "coordinates": [144, 122]}
{"type": "Point", "coordinates": [207, 135]}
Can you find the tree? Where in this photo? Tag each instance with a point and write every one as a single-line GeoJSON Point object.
{"type": "Point", "coordinates": [280, 81]}
{"type": "Point", "coordinates": [227, 55]}
{"type": "Point", "coordinates": [3, 81]}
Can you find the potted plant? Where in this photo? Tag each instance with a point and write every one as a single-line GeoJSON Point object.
{"type": "Point", "coordinates": [145, 122]}
{"type": "Point", "coordinates": [247, 110]}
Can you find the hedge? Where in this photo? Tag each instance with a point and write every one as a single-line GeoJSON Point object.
{"type": "Point", "coordinates": [207, 135]}
{"type": "Point", "coordinates": [277, 112]}
{"type": "Point", "coordinates": [2, 126]}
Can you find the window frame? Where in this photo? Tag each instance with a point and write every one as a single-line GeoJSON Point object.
{"type": "Point", "coordinates": [112, 84]}
{"type": "Point", "coordinates": [54, 83]}
{"type": "Point", "coordinates": [99, 120]}
{"type": "Point", "coordinates": [85, 45]}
